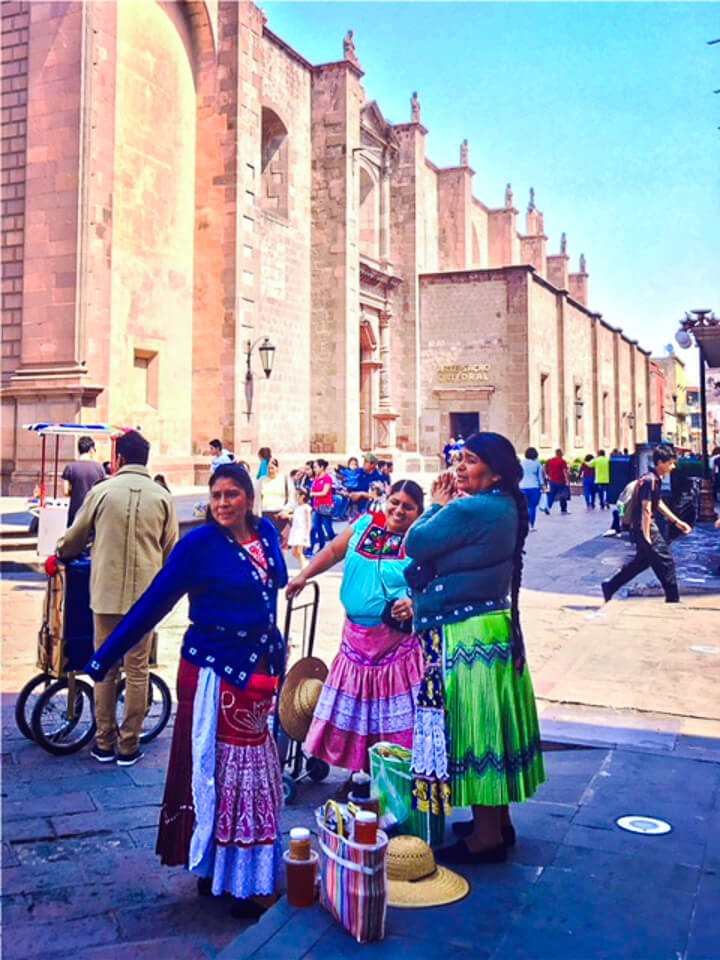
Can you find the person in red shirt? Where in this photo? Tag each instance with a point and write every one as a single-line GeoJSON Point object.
{"type": "Point", "coordinates": [556, 470]}
{"type": "Point", "coordinates": [321, 493]}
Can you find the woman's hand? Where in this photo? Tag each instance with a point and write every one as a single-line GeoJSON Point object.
{"type": "Point", "coordinates": [296, 586]}
{"type": "Point", "coordinates": [444, 488]}
{"type": "Point", "coordinates": [402, 609]}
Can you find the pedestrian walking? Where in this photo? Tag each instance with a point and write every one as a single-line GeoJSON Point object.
{"type": "Point", "coordinates": [477, 739]}
{"type": "Point", "coordinates": [558, 475]}
{"type": "Point", "coordinates": [368, 695]}
{"type": "Point", "coordinates": [277, 498]}
{"type": "Point", "coordinates": [81, 475]}
{"type": "Point", "coordinates": [219, 455]}
{"type": "Point", "coordinates": [532, 482]}
{"type": "Point", "coordinates": [131, 522]}
{"type": "Point", "coordinates": [651, 548]}
{"type": "Point", "coordinates": [321, 492]}
{"type": "Point", "coordinates": [601, 466]}
{"type": "Point", "coordinates": [299, 536]}
{"type": "Point", "coordinates": [223, 792]}
{"type": "Point", "coordinates": [587, 475]}
{"type": "Point", "coordinates": [264, 456]}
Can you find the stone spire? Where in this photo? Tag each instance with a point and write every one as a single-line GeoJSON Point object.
{"type": "Point", "coordinates": [583, 263]}
{"type": "Point", "coordinates": [563, 244]}
{"type": "Point", "coordinates": [508, 195]}
{"type": "Point", "coordinates": [464, 154]}
{"type": "Point", "coordinates": [349, 52]}
{"type": "Point", "coordinates": [531, 204]}
{"type": "Point", "coordinates": [415, 107]}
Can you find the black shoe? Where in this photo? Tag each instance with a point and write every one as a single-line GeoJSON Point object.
{"type": "Point", "coordinates": [128, 759]}
{"type": "Point", "coordinates": [606, 591]}
{"type": "Point", "coordinates": [672, 599]}
{"type": "Point", "coordinates": [460, 853]}
{"type": "Point", "coordinates": [246, 910]}
{"type": "Point", "coordinates": [463, 828]}
{"type": "Point", "coordinates": [102, 756]}
{"type": "Point", "coordinates": [204, 886]}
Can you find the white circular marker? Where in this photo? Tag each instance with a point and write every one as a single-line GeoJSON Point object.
{"type": "Point", "coordinates": [649, 826]}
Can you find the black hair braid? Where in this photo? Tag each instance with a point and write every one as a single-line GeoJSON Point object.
{"type": "Point", "coordinates": [518, 642]}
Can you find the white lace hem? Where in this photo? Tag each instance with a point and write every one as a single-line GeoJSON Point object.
{"type": "Point", "coordinates": [429, 752]}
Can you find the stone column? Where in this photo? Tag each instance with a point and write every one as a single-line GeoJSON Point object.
{"type": "Point", "coordinates": [385, 417]}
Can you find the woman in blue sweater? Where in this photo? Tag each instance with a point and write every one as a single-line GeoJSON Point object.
{"type": "Point", "coordinates": [223, 793]}
{"type": "Point", "coordinates": [476, 740]}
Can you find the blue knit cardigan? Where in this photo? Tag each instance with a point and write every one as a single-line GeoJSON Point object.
{"type": "Point", "coordinates": [233, 611]}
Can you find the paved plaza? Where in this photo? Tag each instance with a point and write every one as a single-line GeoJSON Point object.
{"type": "Point", "coordinates": [633, 683]}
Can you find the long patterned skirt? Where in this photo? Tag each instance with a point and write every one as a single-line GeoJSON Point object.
{"type": "Point", "coordinates": [368, 696]}
{"type": "Point", "coordinates": [223, 793]}
{"type": "Point", "coordinates": [477, 741]}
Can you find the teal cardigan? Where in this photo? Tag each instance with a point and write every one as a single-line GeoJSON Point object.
{"type": "Point", "coordinates": [470, 544]}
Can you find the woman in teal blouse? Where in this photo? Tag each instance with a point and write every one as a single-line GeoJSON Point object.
{"type": "Point", "coordinates": [476, 740]}
{"type": "Point", "coordinates": [369, 693]}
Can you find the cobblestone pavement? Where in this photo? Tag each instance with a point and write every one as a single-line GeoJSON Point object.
{"type": "Point", "coordinates": [80, 875]}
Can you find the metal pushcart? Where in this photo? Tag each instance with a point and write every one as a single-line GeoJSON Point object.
{"type": "Point", "coordinates": [296, 765]}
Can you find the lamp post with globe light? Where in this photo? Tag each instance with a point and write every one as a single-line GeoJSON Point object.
{"type": "Point", "coordinates": [702, 327]}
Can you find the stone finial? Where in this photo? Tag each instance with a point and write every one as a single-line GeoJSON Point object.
{"type": "Point", "coordinates": [349, 52]}
{"type": "Point", "coordinates": [415, 107]}
{"type": "Point", "coordinates": [563, 243]}
{"type": "Point", "coordinates": [464, 154]}
{"type": "Point", "coordinates": [583, 263]}
{"type": "Point", "coordinates": [531, 205]}
{"type": "Point", "coordinates": [508, 195]}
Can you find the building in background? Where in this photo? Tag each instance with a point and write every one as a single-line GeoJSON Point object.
{"type": "Point", "coordinates": [179, 182]}
{"type": "Point", "coordinates": [676, 423]}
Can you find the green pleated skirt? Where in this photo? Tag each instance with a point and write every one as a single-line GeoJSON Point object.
{"type": "Point", "coordinates": [493, 734]}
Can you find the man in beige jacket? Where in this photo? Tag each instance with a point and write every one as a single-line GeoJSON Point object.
{"type": "Point", "coordinates": [132, 523]}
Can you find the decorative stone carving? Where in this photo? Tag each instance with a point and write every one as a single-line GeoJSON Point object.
{"type": "Point", "coordinates": [508, 195]}
{"type": "Point", "coordinates": [415, 107]}
{"type": "Point", "coordinates": [464, 154]}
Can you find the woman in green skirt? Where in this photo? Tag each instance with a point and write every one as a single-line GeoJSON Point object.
{"type": "Point", "coordinates": [476, 740]}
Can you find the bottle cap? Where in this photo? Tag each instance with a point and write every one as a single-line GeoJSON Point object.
{"type": "Point", "coordinates": [366, 816]}
{"type": "Point", "coordinates": [299, 833]}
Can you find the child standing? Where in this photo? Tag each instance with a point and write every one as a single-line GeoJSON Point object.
{"type": "Point", "coordinates": [299, 538]}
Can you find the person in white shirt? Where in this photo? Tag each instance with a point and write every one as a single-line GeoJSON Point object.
{"type": "Point", "coordinates": [219, 455]}
{"type": "Point", "coordinates": [299, 538]}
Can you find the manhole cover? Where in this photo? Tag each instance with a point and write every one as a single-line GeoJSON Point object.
{"type": "Point", "coordinates": [705, 649]}
{"type": "Point", "coordinates": [650, 826]}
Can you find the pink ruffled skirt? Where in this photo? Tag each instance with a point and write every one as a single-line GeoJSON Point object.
{"type": "Point", "coordinates": [369, 696]}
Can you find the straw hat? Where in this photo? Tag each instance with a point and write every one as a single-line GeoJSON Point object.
{"type": "Point", "coordinates": [299, 696]}
{"type": "Point", "coordinates": [415, 880]}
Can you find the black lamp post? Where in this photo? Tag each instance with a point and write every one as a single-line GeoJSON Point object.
{"type": "Point", "coordinates": [267, 357]}
{"type": "Point", "coordinates": [704, 327]}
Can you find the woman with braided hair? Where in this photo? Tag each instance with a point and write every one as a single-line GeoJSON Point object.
{"type": "Point", "coordinates": [476, 740]}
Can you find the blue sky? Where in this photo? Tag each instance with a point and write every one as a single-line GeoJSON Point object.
{"type": "Point", "coordinates": [606, 109]}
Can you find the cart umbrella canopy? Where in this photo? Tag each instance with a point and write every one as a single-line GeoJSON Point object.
{"type": "Point", "coordinates": [57, 430]}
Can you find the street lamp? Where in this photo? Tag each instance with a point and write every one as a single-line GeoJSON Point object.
{"type": "Point", "coordinates": [267, 357]}
{"type": "Point", "coordinates": [631, 420]}
{"type": "Point", "coordinates": [704, 327]}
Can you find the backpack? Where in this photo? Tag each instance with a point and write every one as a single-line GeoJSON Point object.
{"type": "Point", "coordinates": [628, 504]}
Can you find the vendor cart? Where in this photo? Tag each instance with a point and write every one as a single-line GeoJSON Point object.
{"type": "Point", "coordinates": [55, 708]}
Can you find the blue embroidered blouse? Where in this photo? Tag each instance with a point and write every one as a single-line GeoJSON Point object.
{"type": "Point", "coordinates": [233, 610]}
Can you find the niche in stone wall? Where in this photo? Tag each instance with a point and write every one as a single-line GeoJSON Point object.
{"type": "Point", "coordinates": [369, 208]}
{"type": "Point", "coordinates": [274, 197]}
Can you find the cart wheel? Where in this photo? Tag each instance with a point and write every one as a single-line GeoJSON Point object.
{"type": "Point", "coordinates": [158, 708]}
{"type": "Point", "coordinates": [289, 789]}
{"type": "Point", "coordinates": [25, 703]}
{"type": "Point", "coordinates": [62, 723]}
{"type": "Point", "coordinates": [317, 770]}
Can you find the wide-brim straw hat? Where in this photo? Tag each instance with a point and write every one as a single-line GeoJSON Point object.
{"type": "Point", "coordinates": [415, 880]}
{"type": "Point", "coordinates": [299, 696]}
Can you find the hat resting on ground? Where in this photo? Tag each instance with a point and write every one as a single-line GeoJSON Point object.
{"type": "Point", "coordinates": [415, 880]}
{"type": "Point", "coordinates": [299, 696]}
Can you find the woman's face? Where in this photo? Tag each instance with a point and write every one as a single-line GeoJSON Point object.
{"type": "Point", "coordinates": [318, 467]}
{"type": "Point", "coordinates": [352, 463]}
{"type": "Point", "coordinates": [400, 510]}
{"type": "Point", "coordinates": [473, 474]}
{"type": "Point", "coordinates": [229, 503]}
{"type": "Point", "coordinates": [272, 469]}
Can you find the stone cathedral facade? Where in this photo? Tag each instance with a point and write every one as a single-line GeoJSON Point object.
{"type": "Point", "coordinates": [178, 182]}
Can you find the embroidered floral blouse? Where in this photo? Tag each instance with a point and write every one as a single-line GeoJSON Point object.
{"type": "Point", "coordinates": [233, 606]}
{"type": "Point", "coordinates": [374, 572]}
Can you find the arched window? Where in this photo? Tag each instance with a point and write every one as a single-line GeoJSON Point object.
{"type": "Point", "coordinates": [274, 163]}
{"type": "Point", "coordinates": [369, 215]}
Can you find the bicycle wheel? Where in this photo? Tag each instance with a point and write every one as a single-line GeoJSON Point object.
{"type": "Point", "coordinates": [25, 703]}
{"type": "Point", "coordinates": [62, 723]}
{"type": "Point", "coordinates": [158, 709]}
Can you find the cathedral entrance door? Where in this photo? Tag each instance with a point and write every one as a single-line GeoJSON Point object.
{"type": "Point", "coordinates": [464, 424]}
